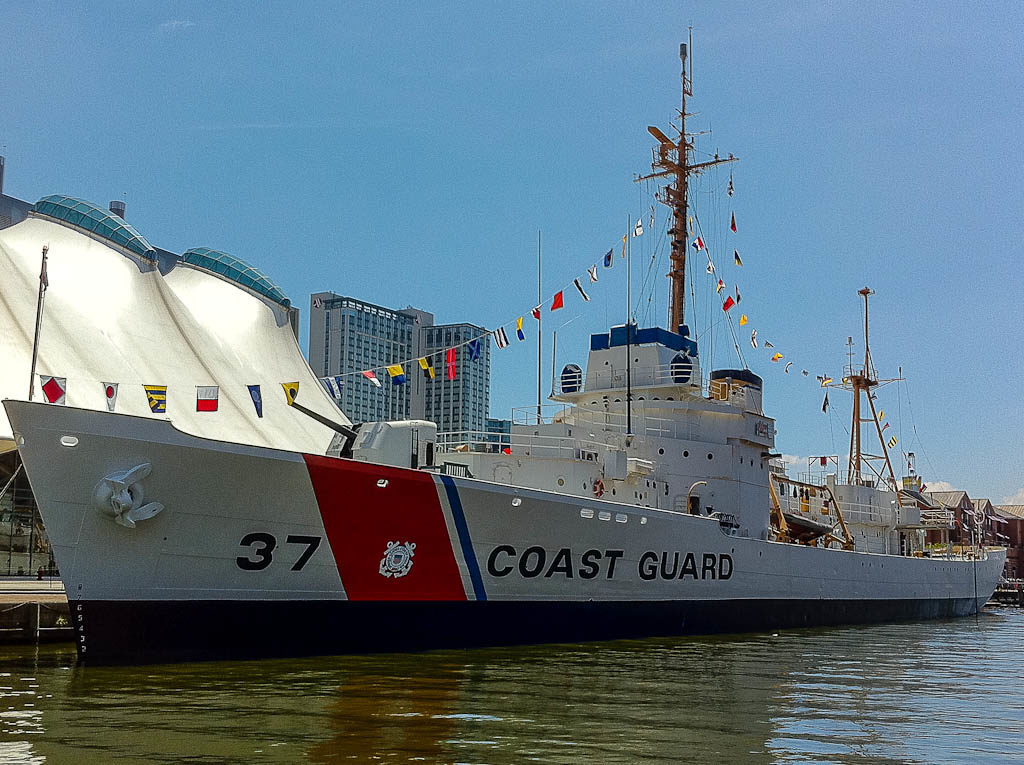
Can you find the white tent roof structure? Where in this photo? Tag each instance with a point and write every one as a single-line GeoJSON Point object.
{"type": "Point", "coordinates": [118, 311]}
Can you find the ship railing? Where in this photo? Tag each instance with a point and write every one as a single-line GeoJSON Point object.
{"type": "Point", "coordinates": [595, 419]}
{"type": "Point", "coordinates": [941, 518]}
{"type": "Point", "coordinates": [527, 415]}
{"type": "Point", "coordinates": [529, 444]}
{"type": "Point", "coordinates": [641, 375]}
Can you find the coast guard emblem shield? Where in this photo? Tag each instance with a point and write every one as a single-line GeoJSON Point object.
{"type": "Point", "coordinates": [397, 559]}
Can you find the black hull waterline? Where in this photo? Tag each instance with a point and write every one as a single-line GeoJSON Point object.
{"type": "Point", "coordinates": [121, 632]}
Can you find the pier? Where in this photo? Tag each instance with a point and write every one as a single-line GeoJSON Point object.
{"type": "Point", "coordinates": [34, 611]}
{"type": "Point", "coordinates": [1009, 593]}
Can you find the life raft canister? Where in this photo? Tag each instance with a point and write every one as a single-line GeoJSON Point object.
{"type": "Point", "coordinates": [598, 487]}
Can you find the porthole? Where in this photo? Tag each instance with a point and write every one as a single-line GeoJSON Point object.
{"type": "Point", "coordinates": [661, 451]}
{"type": "Point", "coordinates": [613, 492]}
{"type": "Point", "coordinates": [711, 456]}
{"type": "Point", "coordinates": [561, 482]}
{"type": "Point", "coordinates": [686, 453]}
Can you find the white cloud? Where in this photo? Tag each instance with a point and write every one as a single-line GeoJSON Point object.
{"type": "Point", "coordinates": [939, 486]}
{"type": "Point", "coordinates": [176, 25]}
{"type": "Point", "coordinates": [1014, 499]}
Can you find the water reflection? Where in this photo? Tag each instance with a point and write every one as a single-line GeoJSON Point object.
{"type": "Point", "coordinates": [899, 692]}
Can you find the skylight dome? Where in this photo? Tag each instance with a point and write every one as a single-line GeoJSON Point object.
{"type": "Point", "coordinates": [103, 223]}
{"type": "Point", "coordinates": [237, 270]}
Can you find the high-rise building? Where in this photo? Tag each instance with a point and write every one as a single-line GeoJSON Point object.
{"type": "Point", "coordinates": [347, 336]}
{"type": "Point", "coordinates": [459, 406]}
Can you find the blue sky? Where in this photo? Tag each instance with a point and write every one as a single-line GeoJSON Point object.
{"type": "Point", "coordinates": [408, 154]}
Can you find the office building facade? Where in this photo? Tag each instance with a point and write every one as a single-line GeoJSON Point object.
{"type": "Point", "coordinates": [348, 335]}
{"type": "Point", "coordinates": [459, 406]}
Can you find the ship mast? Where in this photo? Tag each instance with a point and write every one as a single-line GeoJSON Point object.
{"type": "Point", "coordinates": [671, 159]}
{"type": "Point", "coordinates": [862, 381]}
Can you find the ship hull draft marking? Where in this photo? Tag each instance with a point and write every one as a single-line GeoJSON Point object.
{"type": "Point", "coordinates": [119, 496]}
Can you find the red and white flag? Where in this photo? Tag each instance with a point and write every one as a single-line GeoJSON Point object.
{"type": "Point", "coordinates": [536, 312]}
{"type": "Point", "coordinates": [556, 303]}
{"type": "Point", "coordinates": [206, 398]}
{"type": "Point", "coordinates": [54, 388]}
{"type": "Point", "coordinates": [369, 375]}
{"type": "Point", "coordinates": [110, 394]}
{"type": "Point", "coordinates": [729, 303]}
{"type": "Point", "coordinates": [449, 360]}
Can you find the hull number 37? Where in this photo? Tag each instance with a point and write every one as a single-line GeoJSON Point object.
{"type": "Point", "coordinates": [262, 546]}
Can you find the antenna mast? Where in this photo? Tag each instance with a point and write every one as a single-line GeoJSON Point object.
{"type": "Point", "coordinates": [671, 159]}
{"type": "Point", "coordinates": [862, 381]}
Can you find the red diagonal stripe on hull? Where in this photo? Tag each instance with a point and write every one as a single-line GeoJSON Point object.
{"type": "Point", "coordinates": [361, 518]}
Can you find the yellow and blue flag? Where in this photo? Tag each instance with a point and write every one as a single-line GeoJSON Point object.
{"type": "Point", "coordinates": [397, 374]}
{"type": "Point", "coordinates": [157, 397]}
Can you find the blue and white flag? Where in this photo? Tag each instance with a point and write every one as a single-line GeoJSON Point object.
{"type": "Point", "coordinates": [474, 349]}
{"type": "Point", "coordinates": [257, 399]}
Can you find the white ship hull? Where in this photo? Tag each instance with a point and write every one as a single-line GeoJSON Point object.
{"type": "Point", "coordinates": [264, 552]}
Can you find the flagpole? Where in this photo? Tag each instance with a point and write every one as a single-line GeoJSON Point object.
{"type": "Point", "coordinates": [629, 329]}
{"type": "Point", "coordinates": [540, 300]}
{"type": "Point", "coordinates": [43, 283]}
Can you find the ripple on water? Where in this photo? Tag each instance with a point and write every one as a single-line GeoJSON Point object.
{"type": "Point", "coordinates": [901, 692]}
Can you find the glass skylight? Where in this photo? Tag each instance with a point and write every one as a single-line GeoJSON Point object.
{"type": "Point", "coordinates": [101, 222]}
{"type": "Point", "coordinates": [237, 270]}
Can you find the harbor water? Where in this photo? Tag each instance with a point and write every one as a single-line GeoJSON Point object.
{"type": "Point", "coordinates": [947, 691]}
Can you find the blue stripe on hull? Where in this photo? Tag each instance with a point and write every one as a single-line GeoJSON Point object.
{"type": "Point", "coordinates": [155, 631]}
{"type": "Point", "coordinates": [459, 516]}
